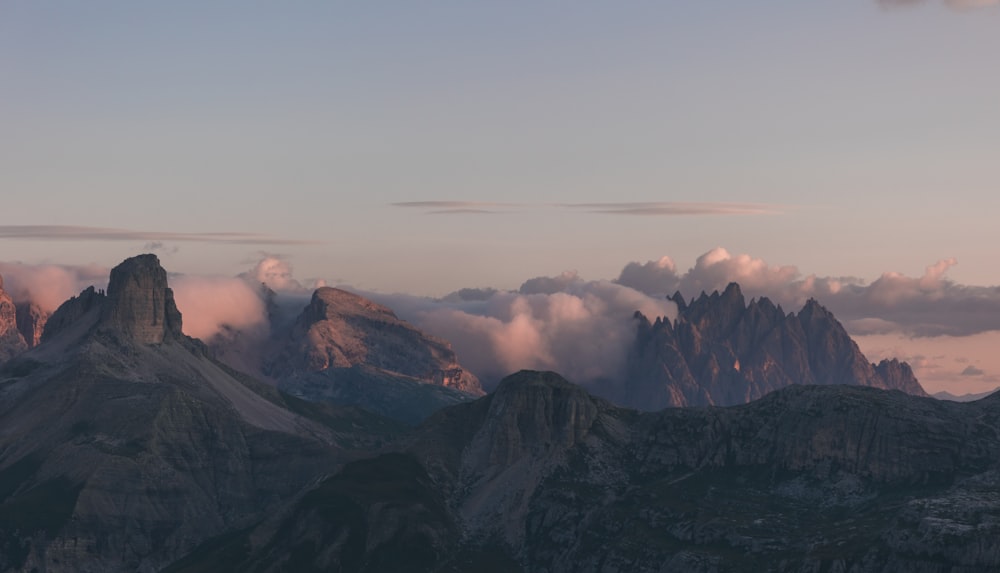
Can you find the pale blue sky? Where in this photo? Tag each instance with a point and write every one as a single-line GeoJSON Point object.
{"type": "Point", "coordinates": [874, 132]}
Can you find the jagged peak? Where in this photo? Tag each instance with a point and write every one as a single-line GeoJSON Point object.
{"type": "Point", "coordinates": [678, 299]}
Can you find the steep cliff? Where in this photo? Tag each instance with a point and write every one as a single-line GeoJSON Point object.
{"type": "Point", "coordinates": [12, 342]}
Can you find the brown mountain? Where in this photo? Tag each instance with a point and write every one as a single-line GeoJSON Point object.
{"type": "Point", "coordinates": [722, 351]}
{"type": "Point", "coordinates": [349, 350]}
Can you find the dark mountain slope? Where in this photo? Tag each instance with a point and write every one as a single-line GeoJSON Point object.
{"type": "Point", "coordinates": [540, 477]}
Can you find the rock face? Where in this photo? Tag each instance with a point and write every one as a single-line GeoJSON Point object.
{"type": "Point", "coordinates": [11, 341]}
{"type": "Point", "coordinates": [123, 445]}
{"type": "Point", "coordinates": [140, 307]}
{"type": "Point", "coordinates": [723, 351]}
{"type": "Point", "coordinates": [31, 321]}
{"type": "Point", "coordinates": [339, 329]}
{"type": "Point", "coordinates": [349, 350]}
{"type": "Point", "coordinates": [541, 477]}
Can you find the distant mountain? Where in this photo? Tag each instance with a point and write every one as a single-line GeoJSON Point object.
{"type": "Point", "coordinates": [964, 397]}
{"type": "Point", "coordinates": [540, 476]}
{"type": "Point", "coordinates": [722, 351]}
{"type": "Point", "coordinates": [123, 445]}
{"type": "Point", "coordinates": [346, 349]}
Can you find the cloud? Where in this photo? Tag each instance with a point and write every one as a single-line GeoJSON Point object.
{"type": "Point", "coordinates": [79, 233]}
{"type": "Point", "coordinates": [276, 272]}
{"type": "Point", "coordinates": [47, 285]}
{"type": "Point", "coordinates": [971, 370]}
{"type": "Point", "coordinates": [583, 329]}
{"type": "Point", "coordinates": [676, 209]}
{"type": "Point", "coordinates": [928, 305]}
{"type": "Point", "coordinates": [656, 208]}
{"type": "Point", "coordinates": [954, 4]}
{"type": "Point", "coordinates": [211, 305]}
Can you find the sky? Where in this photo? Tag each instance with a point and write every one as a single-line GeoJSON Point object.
{"type": "Point", "coordinates": [420, 148]}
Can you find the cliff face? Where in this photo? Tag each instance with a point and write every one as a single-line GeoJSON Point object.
{"type": "Point", "coordinates": [723, 351]}
{"type": "Point", "coordinates": [11, 341]}
{"type": "Point", "coordinates": [140, 306]}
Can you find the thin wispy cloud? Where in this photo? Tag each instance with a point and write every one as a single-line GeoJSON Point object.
{"type": "Point", "coordinates": [954, 4]}
{"type": "Point", "coordinates": [676, 209]}
{"type": "Point", "coordinates": [647, 208]}
{"type": "Point", "coordinates": [81, 233]}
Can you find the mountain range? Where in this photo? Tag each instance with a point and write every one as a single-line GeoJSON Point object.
{"type": "Point", "coordinates": [127, 446]}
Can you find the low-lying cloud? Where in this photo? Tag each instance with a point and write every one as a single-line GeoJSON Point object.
{"type": "Point", "coordinates": [928, 305]}
{"type": "Point", "coordinates": [47, 285]}
{"type": "Point", "coordinates": [583, 329]}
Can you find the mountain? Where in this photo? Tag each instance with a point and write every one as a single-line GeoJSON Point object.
{"type": "Point", "coordinates": [346, 349]}
{"type": "Point", "coordinates": [722, 351]}
{"type": "Point", "coordinates": [540, 476]}
{"type": "Point", "coordinates": [11, 341]}
{"type": "Point", "coordinates": [943, 395]}
{"type": "Point", "coordinates": [123, 445]}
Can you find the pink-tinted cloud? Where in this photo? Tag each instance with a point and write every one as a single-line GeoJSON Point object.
{"type": "Point", "coordinates": [48, 285]}
{"type": "Point", "coordinates": [583, 329]}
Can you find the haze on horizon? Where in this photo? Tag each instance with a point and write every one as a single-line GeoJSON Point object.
{"type": "Point", "coordinates": [423, 149]}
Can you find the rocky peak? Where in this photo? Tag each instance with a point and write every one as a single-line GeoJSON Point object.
{"type": "Point", "coordinates": [329, 302]}
{"type": "Point", "coordinates": [339, 330]}
{"type": "Point", "coordinates": [140, 306]}
{"type": "Point", "coordinates": [531, 411]}
{"type": "Point", "coordinates": [11, 341]}
{"type": "Point", "coordinates": [721, 351]}
{"type": "Point", "coordinates": [31, 321]}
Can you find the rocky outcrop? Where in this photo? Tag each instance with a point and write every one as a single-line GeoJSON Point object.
{"type": "Point", "coordinates": [11, 341]}
{"type": "Point", "coordinates": [722, 351]}
{"type": "Point", "coordinates": [140, 306]}
{"type": "Point", "coordinates": [31, 321]}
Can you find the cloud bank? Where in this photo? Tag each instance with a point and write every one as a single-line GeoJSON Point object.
{"type": "Point", "coordinates": [583, 329]}
{"type": "Point", "coordinates": [928, 305]}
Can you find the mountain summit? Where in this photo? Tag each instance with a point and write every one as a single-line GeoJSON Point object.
{"type": "Point", "coordinates": [140, 306]}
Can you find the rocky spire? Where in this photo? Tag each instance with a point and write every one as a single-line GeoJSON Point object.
{"type": "Point", "coordinates": [140, 306]}
{"type": "Point", "coordinates": [11, 341]}
{"type": "Point", "coordinates": [31, 321]}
